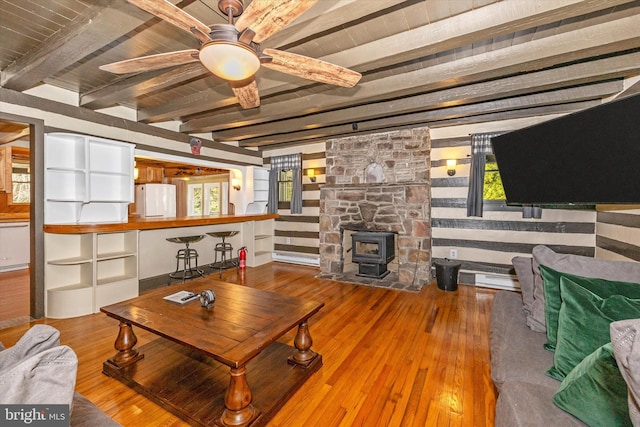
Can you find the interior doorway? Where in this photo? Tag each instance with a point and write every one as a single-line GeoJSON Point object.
{"type": "Point", "coordinates": [26, 134]}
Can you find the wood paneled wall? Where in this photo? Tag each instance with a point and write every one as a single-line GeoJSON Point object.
{"type": "Point", "coordinates": [298, 235]}
{"type": "Point", "coordinates": [618, 235]}
{"type": "Point", "coordinates": [485, 245]}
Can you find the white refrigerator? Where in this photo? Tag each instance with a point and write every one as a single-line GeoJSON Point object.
{"type": "Point", "coordinates": [156, 200]}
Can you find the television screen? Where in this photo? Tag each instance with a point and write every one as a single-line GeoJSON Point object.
{"type": "Point", "coordinates": [588, 157]}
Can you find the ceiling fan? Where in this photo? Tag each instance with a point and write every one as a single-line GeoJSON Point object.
{"type": "Point", "coordinates": [232, 51]}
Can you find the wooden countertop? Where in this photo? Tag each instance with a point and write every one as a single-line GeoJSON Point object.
{"type": "Point", "coordinates": [154, 223]}
{"type": "Point", "coordinates": [14, 217]}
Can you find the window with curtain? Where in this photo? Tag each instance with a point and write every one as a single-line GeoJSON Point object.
{"type": "Point", "coordinates": [285, 185]}
{"type": "Point", "coordinates": [279, 183]}
{"type": "Point", "coordinates": [492, 187]}
{"type": "Point", "coordinates": [485, 183]}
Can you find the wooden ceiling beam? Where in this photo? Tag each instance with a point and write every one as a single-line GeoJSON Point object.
{"type": "Point", "coordinates": [308, 137]}
{"type": "Point", "coordinates": [570, 46]}
{"type": "Point", "coordinates": [317, 122]}
{"type": "Point", "coordinates": [328, 14]}
{"type": "Point", "coordinates": [490, 21]}
{"type": "Point", "coordinates": [547, 99]}
{"type": "Point", "coordinates": [141, 84]}
{"type": "Point", "coordinates": [456, 121]}
{"type": "Point", "coordinates": [90, 32]}
{"type": "Point", "coordinates": [7, 137]}
{"type": "Point", "coordinates": [320, 17]}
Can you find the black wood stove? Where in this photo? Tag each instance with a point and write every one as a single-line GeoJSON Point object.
{"type": "Point", "coordinates": [372, 251]}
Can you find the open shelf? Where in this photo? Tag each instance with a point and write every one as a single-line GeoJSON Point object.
{"type": "Point", "coordinates": [70, 261]}
{"type": "Point", "coordinates": [89, 170]}
{"type": "Point", "coordinates": [84, 272]}
{"type": "Point", "coordinates": [258, 235]}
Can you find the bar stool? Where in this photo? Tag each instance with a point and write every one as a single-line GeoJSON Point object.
{"type": "Point", "coordinates": [223, 248]}
{"type": "Point", "coordinates": [186, 255]}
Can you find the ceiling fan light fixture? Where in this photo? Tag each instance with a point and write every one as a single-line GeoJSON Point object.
{"type": "Point", "coordinates": [230, 60]}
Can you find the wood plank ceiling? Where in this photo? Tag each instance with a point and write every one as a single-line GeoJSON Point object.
{"type": "Point", "coordinates": [428, 62]}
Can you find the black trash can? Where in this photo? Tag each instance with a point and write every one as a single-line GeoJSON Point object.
{"type": "Point", "coordinates": [447, 274]}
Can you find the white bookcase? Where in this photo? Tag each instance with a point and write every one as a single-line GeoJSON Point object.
{"type": "Point", "coordinates": [84, 272]}
{"type": "Point", "coordinates": [87, 179]}
{"type": "Point", "coordinates": [259, 241]}
{"type": "Point", "coordinates": [260, 184]}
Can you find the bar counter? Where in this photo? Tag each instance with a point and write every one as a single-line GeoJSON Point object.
{"type": "Point", "coordinates": [154, 223]}
{"type": "Point", "coordinates": [88, 266]}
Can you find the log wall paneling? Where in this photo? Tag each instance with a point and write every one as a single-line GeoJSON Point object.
{"type": "Point", "coordinates": [618, 235]}
{"type": "Point", "coordinates": [298, 235]}
{"type": "Point", "coordinates": [485, 245]}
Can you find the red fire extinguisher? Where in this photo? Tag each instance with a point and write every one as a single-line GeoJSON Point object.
{"type": "Point", "coordinates": [242, 256]}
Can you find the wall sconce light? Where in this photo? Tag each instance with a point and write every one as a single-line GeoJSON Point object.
{"type": "Point", "coordinates": [311, 173]}
{"type": "Point", "coordinates": [136, 171]}
{"type": "Point", "coordinates": [451, 167]}
{"type": "Point", "coordinates": [235, 184]}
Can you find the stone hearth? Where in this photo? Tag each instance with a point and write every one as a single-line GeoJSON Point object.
{"type": "Point", "coordinates": [378, 182]}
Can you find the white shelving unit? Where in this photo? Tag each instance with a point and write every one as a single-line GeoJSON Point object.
{"type": "Point", "coordinates": [84, 272]}
{"type": "Point", "coordinates": [260, 184]}
{"type": "Point", "coordinates": [258, 237]}
{"type": "Point", "coordinates": [87, 179]}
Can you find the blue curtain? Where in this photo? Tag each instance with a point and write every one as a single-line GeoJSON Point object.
{"type": "Point", "coordinates": [291, 162]}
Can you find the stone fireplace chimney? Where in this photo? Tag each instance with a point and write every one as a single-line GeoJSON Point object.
{"type": "Point", "coordinates": [379, 182]}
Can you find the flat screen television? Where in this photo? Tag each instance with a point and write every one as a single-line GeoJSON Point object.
{"type": "Point", "coordinates": [588, 157]}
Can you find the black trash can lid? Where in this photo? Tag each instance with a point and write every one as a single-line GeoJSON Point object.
{"type": "Point", "coordinates": [447, 263]}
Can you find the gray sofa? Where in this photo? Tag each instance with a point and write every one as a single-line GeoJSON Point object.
{"type": "Point", "coordinates": [518, 365]}
{"type": "Point", "coordinates": [519, 361]}
{"type": "Point", "coordinates": [38, 370]}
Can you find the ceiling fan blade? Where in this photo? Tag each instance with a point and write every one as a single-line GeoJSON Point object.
{"type": "Point", "coordinates": [247, 93]}
{"type": "Point", "coordinates": [311, 68]}
{"type": "Point", "coordinates": [152, 62]}
{"type": "Point", "coordinates": [266, 17]}
{"type": "Point", "coordinates": [176, 16]}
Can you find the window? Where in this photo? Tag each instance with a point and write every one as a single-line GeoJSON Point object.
{"type": "Point", "coordinates": [207, 198]}
{"type": "Point", "coordinates": [195, 199]}
{"type": "Point", "coordinates": [21, 179]}
{"type": "Point", "coordinates": [492, 188]}
{"type": "Point", "coordinates": [285, 185]}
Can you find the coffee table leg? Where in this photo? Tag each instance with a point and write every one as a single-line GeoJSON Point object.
{"type": "Point", "coordinates": [237, 401]}
{"type": "Point", "coordinates": [303, 355]}
{"type": "Point", "coordinates": [125, 353]}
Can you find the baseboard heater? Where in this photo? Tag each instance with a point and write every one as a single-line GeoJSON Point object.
{"type": "Point", "coordinates": [498, 282]}
{"type": "Point", "coordinates": [296, 259]}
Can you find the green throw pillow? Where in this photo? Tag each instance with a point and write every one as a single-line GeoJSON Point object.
{"type": "Point", "coordinates": [583, 323]}
{"type": "Point", "coordinates": [595, 392]}
{"type": "Point", "coordinates": [601, 287]}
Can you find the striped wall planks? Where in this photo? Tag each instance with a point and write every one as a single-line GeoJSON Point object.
{"type": "Point", "coordinates": [485, 245]}
{"type": "Point", "coordinates": [298, 235]}
{"type": "Point", "coordinates": [618, 235]}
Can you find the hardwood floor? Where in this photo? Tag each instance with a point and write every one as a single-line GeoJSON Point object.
{"type": "Point", "coordinates": [14, 297]}
{"type": "Point", "coordinates": [391, 358]}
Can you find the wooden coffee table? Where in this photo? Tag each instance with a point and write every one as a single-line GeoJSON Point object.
{"type": "Point", "coordinates": [187, 370]}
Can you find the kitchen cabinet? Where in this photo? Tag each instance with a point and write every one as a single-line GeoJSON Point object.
{"type": "Point", "coordinates": [5, 169]}
{"type": "Point", "coordinates": [149, 174]}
